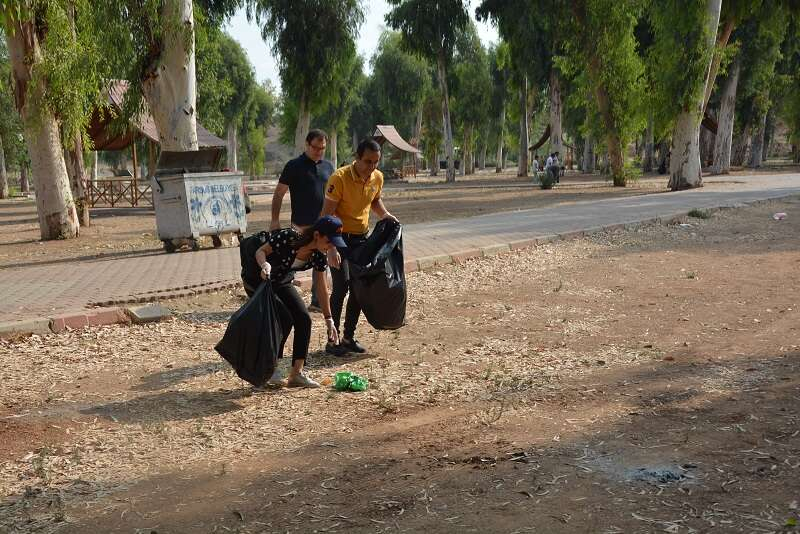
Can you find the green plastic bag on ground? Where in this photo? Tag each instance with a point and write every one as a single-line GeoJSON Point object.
{"type": "Point", "coordinates": [347, 381]}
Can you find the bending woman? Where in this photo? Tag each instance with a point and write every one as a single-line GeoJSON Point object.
{"type": "Point", "coordinates": [285, 252]}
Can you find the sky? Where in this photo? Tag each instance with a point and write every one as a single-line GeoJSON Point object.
{"type": "Point", "coordinates": [261, 57]}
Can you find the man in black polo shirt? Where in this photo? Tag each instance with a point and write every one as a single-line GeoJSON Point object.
{"type": "Point", "coordinates": [305, 178]}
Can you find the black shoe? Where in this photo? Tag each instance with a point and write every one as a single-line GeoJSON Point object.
{"type": "Point", "coordinates": [353, 346]}
{"type": "Point", "coordinates": [336, 350]}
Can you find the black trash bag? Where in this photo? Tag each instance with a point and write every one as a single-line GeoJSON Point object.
{"type": "Point", "coordinates": [255, 336]}
{"type": "Point", "coordinates": [251, 271]}
{"type": "Point", "coordinates": [377, 276]}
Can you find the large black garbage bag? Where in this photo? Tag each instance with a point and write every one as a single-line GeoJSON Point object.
{"type": "Point", "coordinates": [378, 278]}
{"type": "Point", "coordinates": [255, 336]}
{"type": "Point", "coordinates": [251, 271]}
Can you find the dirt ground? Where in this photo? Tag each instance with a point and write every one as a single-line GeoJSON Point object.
{"type": "Point", "coordinates": [121, 232]}
{"type": "Point", "coordinates": [644, 380]}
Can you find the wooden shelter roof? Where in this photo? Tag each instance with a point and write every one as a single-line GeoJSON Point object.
{"type": "Point", "coordinates": [105, 137]}
{"type": "Point", "coordinates": [387, 132]}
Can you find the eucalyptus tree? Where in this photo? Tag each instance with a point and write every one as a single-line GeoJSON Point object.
{"type": "Point", "coordinates": [604, 42]}
{"type": "Point", "coordinates": [499, 62]}
{"type": "Point", "coordinates": [225, 84]}
{"type": "Point", "coordinates": [312, 40]}
{"type": "Point", "coordinates": [343, 93]}
{"type": "Point", "coordinates": [54, 84]}
{"type": "Point", "coordinates": [430, 29]}
{"type": "Point", "coordinates": [683, 47]}
{"type": "Point", "coordinates": [534, 33]}
{"type": "Point", "coordinates": [472, 90]}
{"type": "Point", "coordinates": [400, 82]}
{"type": "Point", "coordinates": [257, 116]}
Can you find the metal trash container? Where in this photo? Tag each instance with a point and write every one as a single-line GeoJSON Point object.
{"type": "Point", "coordinates": [192, 198]}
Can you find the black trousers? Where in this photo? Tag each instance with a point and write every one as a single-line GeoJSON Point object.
{"type": "Point", "coordinates": [294, 304]}
{"type": "Point", "coordinates": [341, 287]}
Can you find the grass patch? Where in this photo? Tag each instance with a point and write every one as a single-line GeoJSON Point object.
{"type": "Point", "coordinates": [699, 214]}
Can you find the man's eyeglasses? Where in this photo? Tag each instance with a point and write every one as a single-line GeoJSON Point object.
{"type": "Point", "coordinates": [318, 147]}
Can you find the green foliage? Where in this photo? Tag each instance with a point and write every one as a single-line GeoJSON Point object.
{"type": "Point", "coordinates": [10, 125]}
{"type": "Point", "coordinates": [344, 91]}
{"type": "Point", "coordinates": [761, 38]}
{"type": "Point", "coordinates": [471, 88]}
{"type": "Point", "coordinates": [534, 31]}
{"type": "Point", "coordinates": [312, 40]}
{"type": "Point", "coordinates": [256, 118]}
{"type": "Point", "coordinates": [430, 28]}
{"type": "Point", "coordinates": [679, 57]}
{"type": "Point", "coordinates": [225, 77]}
{"type": "Point", "coordinates": [400, 81]}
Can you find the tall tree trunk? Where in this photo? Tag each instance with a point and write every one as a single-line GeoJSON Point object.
{"type": "Point", "coordinates": [448, 128]}
{"type": "Point", "coordinates": [769, 134]}
{"type": "Point", "coordinates": [3, 174]}
{"type": "Point", "coordinates": [233, 148]}
{"type": "Point", "coordinates": [588, 155]}
{"type": "Point", "coordinates": [719, 49]}
{"type": "Point", "coordinates": [24, 185]}
{"type": "Point", "coordinates": [95, 166]}
{"type": "Point", "coordinates": [741, 146]}
{"type": "Point", "coordinates": [522, 168]}
{"type": "Point", "coordinates": [435, 164]}
{"type": "Point", "coordinates": [484, 149]}
{"type": "Point", "coordinates": [685, 170]}
{"type": "Point", "coordinates": [303, 124]}
{"type": "Point", "coordinates": [500, 161]}
{"type": "Point", "coordinates": [170, 85]}
{"type": "Point", "coordinates": [727, 115]}
{"type": "Point", "coordinates": [355, 140]}
{"type": "Point", "coordinates": [335, 148]}
{"type": "Point", "coordinates": [707, 142]}
{"type": "Point", "coordinates": [56, 208]}
{"type": "Point", "coordinates": [649, 145]}
{"type": "Point", "coordinates": [757, 144]}
{"type": "Point", "coordinates": [78, 169]}
{"type": "Point", "coordinates": [418, 126]}
{"type": "Point", "coordinates": [556, 142]}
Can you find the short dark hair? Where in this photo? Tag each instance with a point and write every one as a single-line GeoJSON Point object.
{"type": "Point", "coordinates": [367, 144]}
{"type": "Point", "coordinates": [316, 133]}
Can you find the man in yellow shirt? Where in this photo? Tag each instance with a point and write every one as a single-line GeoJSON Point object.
{"type": "Point", "coordinates": [352, 192]}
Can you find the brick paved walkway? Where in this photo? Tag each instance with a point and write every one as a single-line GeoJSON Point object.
{"type": "Point", "coordinates": [44, 291]}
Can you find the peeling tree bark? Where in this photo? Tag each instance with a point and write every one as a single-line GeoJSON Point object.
{"type": "Point", "coordinates": [757, 144]}
{"type": "Point", "coordinates": [649, 146]}
{"type": "Point", "coordinates": [522, 168]}
{"type": "Point", "coordinates": [78, 171]}
{"type": "Point", "coordinates": [170, 86]}
{"type": "Point", "coordinates": [448, 128]}
{"type": "Point", "coordinates": [727, 116]}
{"type": "Point", "coordinates": [556, 141]}
{"type": "Point", "coordinates": [55, 205]}
{"type": "Point", "coordinates": [3, 174]}
{"type": "Point", "coordinates": [685, 169]}
{"type": "Point", "coordinates": [334, 135]}
{"type": "Point", "coordinates": [303, 124]}
{"type": "Point", "coordinates": [588, 155]}
{"type": "Point", "coordinates": [233, 148]}
{"type": "Point", "coordinates": [719, 49]}
{"type": "Point", "coordinates": [500, 161]}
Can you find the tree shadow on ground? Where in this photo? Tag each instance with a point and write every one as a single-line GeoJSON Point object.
{"type": "Point", "coordinates": [683, 467]}
{"type": "Point", "coordinates": [165, 379]}
{"type": "Point", "coordinates": [171, 406]}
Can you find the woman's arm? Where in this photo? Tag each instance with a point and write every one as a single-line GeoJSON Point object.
{"type": "Point", "coordinates": [261, 259]}
{"type": "Point", "coordinates": [323, 296]}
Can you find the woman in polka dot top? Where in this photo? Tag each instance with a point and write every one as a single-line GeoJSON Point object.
{"type": "Point", "coordinates": [286, 252]}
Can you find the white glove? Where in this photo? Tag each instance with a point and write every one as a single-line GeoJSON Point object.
{"type": "Point", "coordinates": [333, 334]}
{"type": "Point", "coordinates": [266, 269]}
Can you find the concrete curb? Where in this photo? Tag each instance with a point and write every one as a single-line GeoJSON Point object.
{"type": "Point", "coordinates": [109, 314]}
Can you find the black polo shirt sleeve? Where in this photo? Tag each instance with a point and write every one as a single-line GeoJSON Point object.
{"type": "Point", "coordinates": [287, 173]}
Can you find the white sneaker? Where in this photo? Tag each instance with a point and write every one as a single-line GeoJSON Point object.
{"type": "Point", "coordinates": [301, 381]}
{"type": "Point", "coordinates": [276, 380]}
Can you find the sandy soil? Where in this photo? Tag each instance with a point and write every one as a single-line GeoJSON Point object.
{"type": "Point", "coordinates": [634, 381]}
